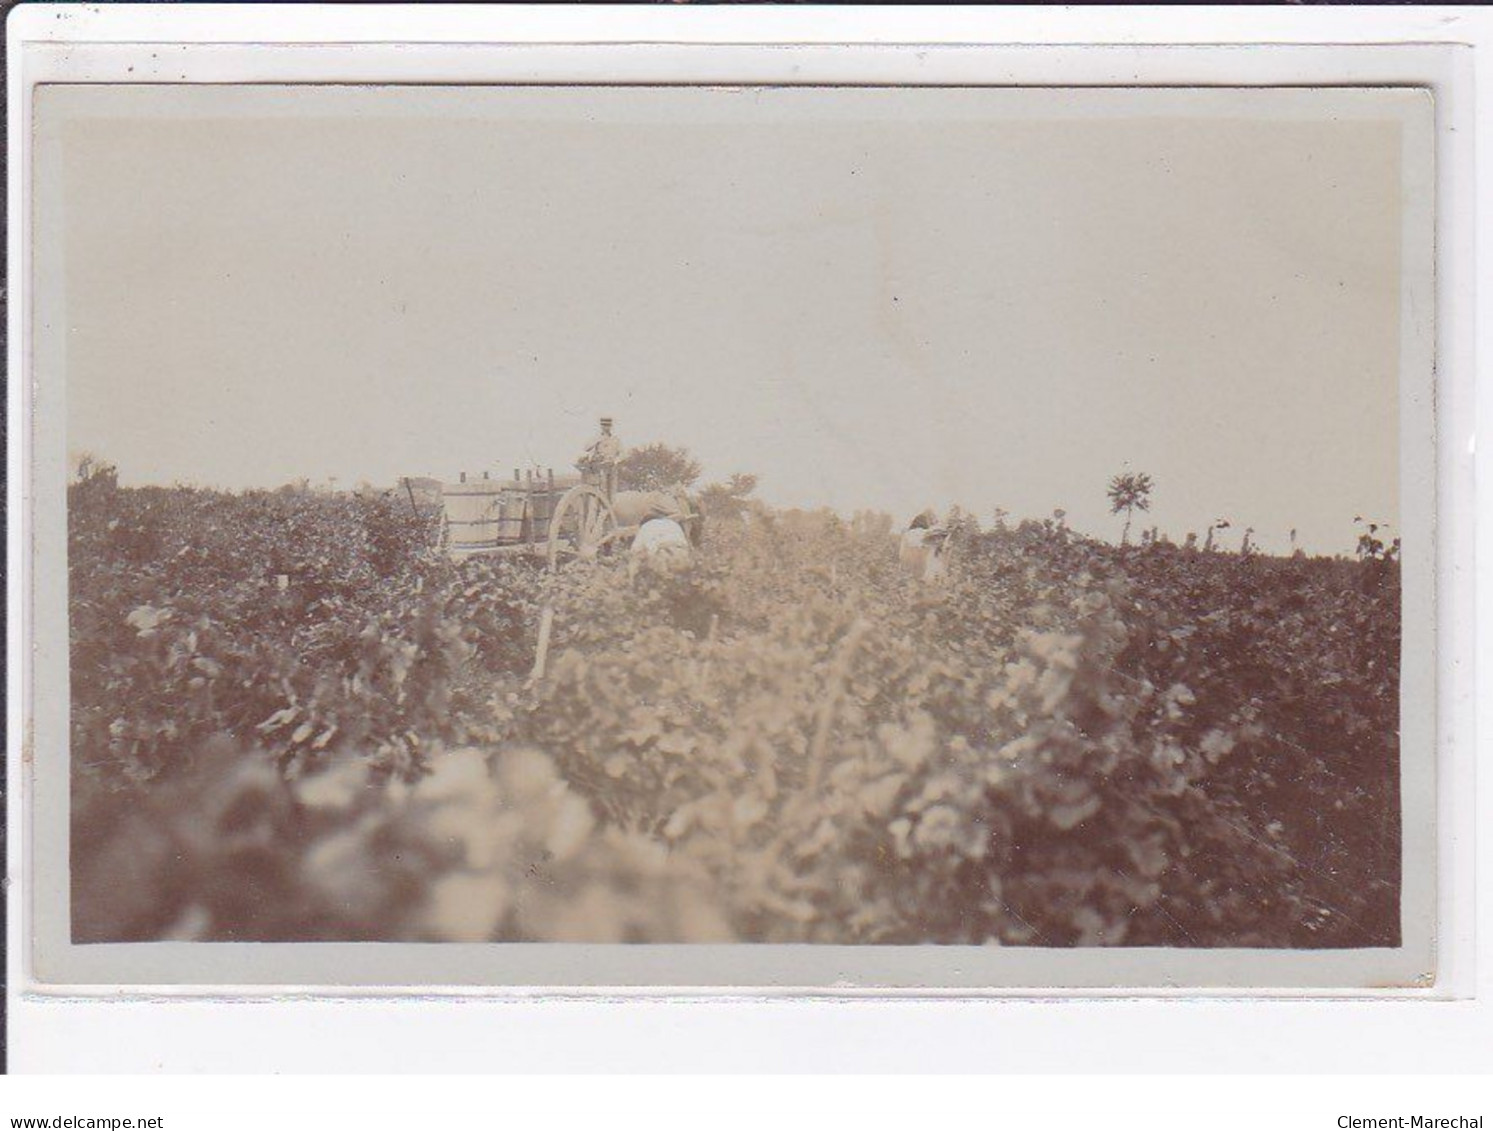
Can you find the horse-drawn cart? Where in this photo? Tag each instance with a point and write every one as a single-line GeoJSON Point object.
{"type": "Point", "coordinates": [559, 518]}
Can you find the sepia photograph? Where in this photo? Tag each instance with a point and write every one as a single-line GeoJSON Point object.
{"type": "Point", "coordinates": [860, 517]}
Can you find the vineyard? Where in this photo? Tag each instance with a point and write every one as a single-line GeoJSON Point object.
{"type": "Point", "coordinates": [295, 718]}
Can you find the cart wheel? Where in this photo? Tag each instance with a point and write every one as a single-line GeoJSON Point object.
{"type": "Point", "coordinates": [583, 525]}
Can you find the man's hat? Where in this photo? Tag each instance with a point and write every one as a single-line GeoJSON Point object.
{"type": "Point", "coordinates": [606, 421]}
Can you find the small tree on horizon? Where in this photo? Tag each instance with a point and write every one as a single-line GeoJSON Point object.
{"type": "Point", "coordinates": [1371, 546]}
{"type": "Point", "coordinates": [1217, 524]}
{"type": "Point", "coordinates": [730, 499]}
{"type": "Point", "coordinates": [655, 466]}
{"type": "Point", "coordinates": [1129, 492]}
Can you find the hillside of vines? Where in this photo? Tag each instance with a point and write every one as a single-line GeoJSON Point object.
{"type": "Point", "coordinates": [295, 718]}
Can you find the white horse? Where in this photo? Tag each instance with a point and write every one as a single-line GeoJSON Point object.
{"type": "Point", "coordinates": [636, 508]}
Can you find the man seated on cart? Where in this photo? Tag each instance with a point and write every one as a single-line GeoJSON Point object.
{"type": "Point", "coordinates": [598, 463]}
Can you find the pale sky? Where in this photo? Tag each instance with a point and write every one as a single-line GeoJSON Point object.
{"type": "Point", "coordinates": [880, 299]}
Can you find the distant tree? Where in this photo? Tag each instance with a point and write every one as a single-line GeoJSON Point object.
{"type": "Point", "coordinates": [1129, 492]}
{"type": "Point", "coordinates": [655, 466]}
{"type": "Point", "coordinates": [1217, 524]}
{"type": "Point", "coordinates": [961, 520]}
{"type": "Point", "coordinates": [1371, 546]}
{"type": "Point", "coordinates": [94, 484]}
{"type": "Point", "coordinates": [730, 499]}
{"type": "Point", "coordinates": [90, 467]}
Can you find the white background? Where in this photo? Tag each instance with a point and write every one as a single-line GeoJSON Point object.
{"type": "Point", "coordinates": [709, 1103]}
{"type": "Point", "coordinates": [487, 1035]}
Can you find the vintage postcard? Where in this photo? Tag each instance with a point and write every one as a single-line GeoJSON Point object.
{"type": "Point", "coordinates": [947, 538]}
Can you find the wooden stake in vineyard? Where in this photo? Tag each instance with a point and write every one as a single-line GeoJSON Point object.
{"type": "Point", "coordinates": [542, 649]}
{"type": "Point", "coordinates": [834, 690]}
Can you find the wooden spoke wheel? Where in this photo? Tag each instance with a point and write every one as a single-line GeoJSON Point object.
{"type": "Point", "coordinates": [583, 525]}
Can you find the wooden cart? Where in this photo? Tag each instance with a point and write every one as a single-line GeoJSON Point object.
{"type": "Point", "coordinates": [555, 518]}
